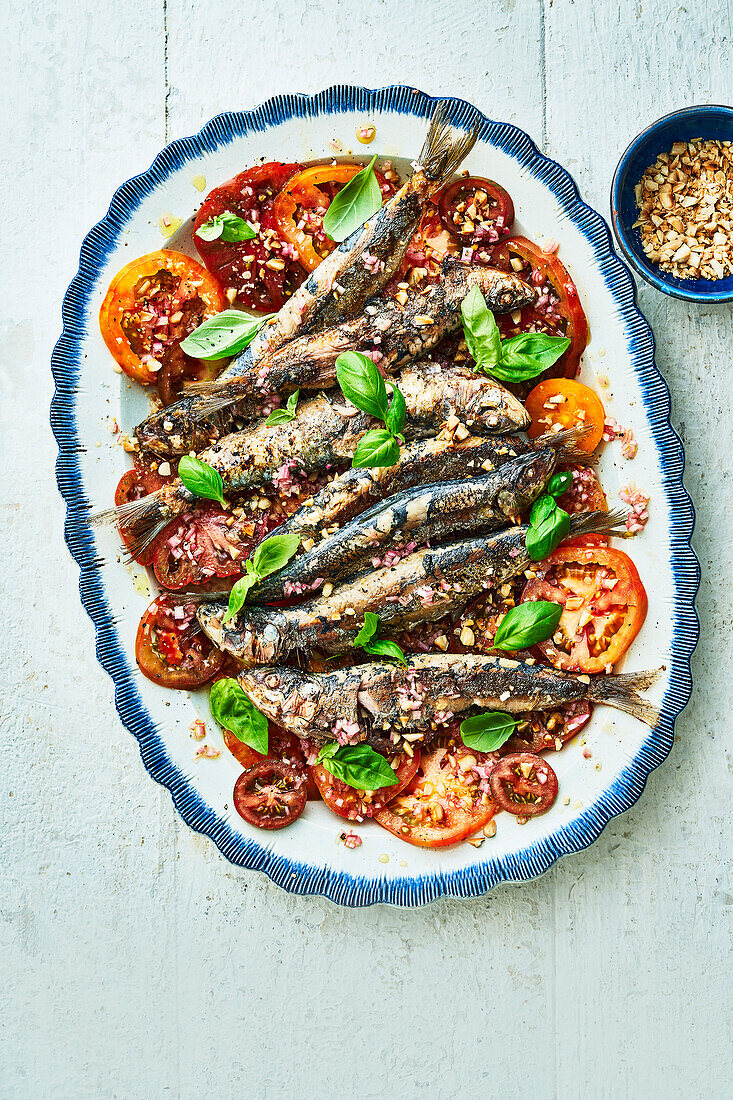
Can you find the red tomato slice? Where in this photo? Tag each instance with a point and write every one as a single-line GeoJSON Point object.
{"type": "Point", "coordinates": [356, 805]}
{"type": "Point", "coordinates": [523, 784]}
{"type": "Point", "coordinates": [476, 210]}
{"type": "Point", "coordinates": [558, 311]}
{"type": "Point", "coordinates": [584, 495]}
{"type": "Point", "coordinates": [541, 730]}
{"type": "Point", "coordinates": [171, 649]}
{"type": "Point", "coordinates": [282, 746]}
{"type": "Point", "coordinates": [604, 604]}
{"type": "Point", "coordinates": [270, 795]}
{"type": "Point", "coordinates": [241, 267]}
{"type": "Point", "coordinates": [150, 307]}
{"type": "Point", "coordinates": [562, 403]}
{"type": "Point", "coordinates": [204, 544]}
{"type": "Point", "coordinates": [445, 802]}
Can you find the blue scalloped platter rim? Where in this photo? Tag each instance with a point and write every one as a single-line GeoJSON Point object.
{"type": "Point", "coordinates": [297, 876]}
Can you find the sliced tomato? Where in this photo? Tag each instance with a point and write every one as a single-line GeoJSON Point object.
{"type": "Point", "coordinates": [584, 495]}
{"type": "Point", "coordinates": [171, 649]}
{"type": "Point", "coordinates": [270, 794]}
{"type": "Point", "coordinates": [445, 802]}
{"type": "Point", "coordinates": [205, 544]}
{"type": "Point", "coordinates": [541, 730]}
{"type": "Point", "coordinates": [261, 273]}
{"type": "Point", "coordinates": [356, 805]}
{"type": "Point", "coordinates": [563, 403]}
{"type": "Point", "coordinates": [557, 312]}
{"type": "Point", "coordinates": [134, 484]}
{"type": "Point", "coordinates": [282, 746]}
{"type": "Point", "coordinates": [150, 307]}
{"type": "Point", "coordinates": [604, 606]}
{"type": "Point", "coordinates": [475, 210]}
{"type": "Point", "coordinates": [299, 209]}
{"type": "Point", "coordinates": [523, 784]}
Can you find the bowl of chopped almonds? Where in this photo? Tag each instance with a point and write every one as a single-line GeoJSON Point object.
{"type": "Point", "coordinates": [672, 204]}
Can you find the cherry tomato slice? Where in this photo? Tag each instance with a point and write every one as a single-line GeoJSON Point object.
{"type": "Point", "coordinates": [241, 266]}
{"type": "Point", "coordinates": [563, 403]}
{"type": "Point", "coordinates": [152, 304]}
{"type": "Point", "coordinates": [282, 746]}
{"type": "Point", "coordinates": [474, 209]}
{"type": "Point", "coordinates": [171, 649]}
{"type": "Point", "coordinates": [445, 802]}
{"type": "Point", "coordinates": [558, 310]}
{"type": "Point", "coordinates": [584, 495]}
{"type": "Point", "coordinates": [204, 544]}
{"type": "Point", "coordinates": [604, 604]}
{"type": "Point", "coordinates": [356, 805]}
{"type": "Point", "coordinates": [270, 795]}
{"type": "Point", "coordinates": [523, 784]}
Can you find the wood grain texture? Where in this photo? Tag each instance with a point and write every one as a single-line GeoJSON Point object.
{"type": "Point", "coordinates": [136, 962]}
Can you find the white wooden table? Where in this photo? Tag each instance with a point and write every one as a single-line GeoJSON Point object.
{"type": "Point", "coordinates": [136, 962]}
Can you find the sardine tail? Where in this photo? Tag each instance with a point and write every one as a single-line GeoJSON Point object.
{"type": "Point", "coordinates": [442, 153]}
{"type": "Point", "coordinates": [622, 692]}
{"type": "Point", "coordinates": [597, 523]}
{"type": "Point", "coordinates": [141, 521]}
{"type": "Point", "coordinates": [565, 444]}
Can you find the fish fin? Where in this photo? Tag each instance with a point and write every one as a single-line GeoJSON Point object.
{"type": "Point", "coordinates": [215, 399]}
{"type": "Point", "coordinates": [141, 520]}
{"type": "Point", "coordinates": [441, 154]}
{"type": "Point", "coordinates": [194, 389]}
{"type": "Point", "coordinates": [622, 692]}
{"type": "Point", "coordinates": [565, 444]}
{"type": "Point", "coordinates": [597, 523]}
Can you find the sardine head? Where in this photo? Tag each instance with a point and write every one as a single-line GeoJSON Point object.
{"type": "Point", "coordinates": [250, 637]}
{"type": "Point", "coordinates": [286, 696]}
{"type": "Point", "coordinates": [530, 473]}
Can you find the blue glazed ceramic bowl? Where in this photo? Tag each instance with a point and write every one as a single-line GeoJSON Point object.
{"type": "Point", "coordinates": [708, 121]}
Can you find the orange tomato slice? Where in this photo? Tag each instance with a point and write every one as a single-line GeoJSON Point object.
{"type": "Point", "coordinates": [559, 403]}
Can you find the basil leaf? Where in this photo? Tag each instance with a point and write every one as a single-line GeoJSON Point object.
{"type": "Point", "coordinates": [547, 532]}
{"type": "Point", "coordinates": [284, 416]}
{"type": "Point", "coordinates": [201, 479]}
{"type": "Point", "coordinates": [542, 509]}
{"type": "Point", "coordinates": [228, 333]}
{"type": "Point", "coordinates": [526, 624]}
{"type": "Point", "coordinates": [358, 766]}
{"type": "Point", "coordinates": [361, 383]}
{"type": "Point", "coordinates": [396, 413]}
{"type": "Point", "coordinates": [273, 554]}
{"type": "Point", "coordinates": [369, 629]}
{"type": "Point", "coordinates": [480, 330]}
{"type": "Point", "coordinates": [533, 347]}
{"type": "Point", "coordinates": [383, 648]}
{"type": "Point", "coordinates": [559, 484]}
{"type": "Point", "coordinates": [226, 226]}
{"type": "Point", "coordinates": [329, 749]}
{"type": "Point", "coordinates": [234, 712]}
{"type": "Point", "coordinates": [354, 204]}
{"type": "Point", "coordinates": [239, 592]}
{"type": "Point", "coordinates": [487, 732]}
{"type": "Point", "coordinates": [376, 448]}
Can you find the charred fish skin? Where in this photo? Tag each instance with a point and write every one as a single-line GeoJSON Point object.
{"type": "Point", "coordinates": [481, 404]}
{"type": "Point", "coordinates": [424, 513]}
{"type": "Point", "coordinates": [381, 697]}
{"type": "Point", "coordinates": [335, 290]}
{"type": "Point", "coordinates": [399, 333]}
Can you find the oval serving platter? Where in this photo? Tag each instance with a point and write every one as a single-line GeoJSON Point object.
{"type": "Point", "coordinates": [602, 778]}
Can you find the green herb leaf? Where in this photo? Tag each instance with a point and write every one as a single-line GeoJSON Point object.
{"type": "Point", "coordinates": [384, 648]}
{"type": "Point", "coordinates": [226, 226]}
{"type": "Point", "coordinates": [533, 349]}
{"type": "Point", "coordinates": [354, 204]}
{"type": "Point", "coordinates": [559, 484]}
{"type": "Point", "coordinates": [396, 413]}
{"type": "Point", "coordinates": [284, 416]}
{"type": "Point", "coordinates": [487, 732]}
{"type": "Point", "coordinates": [201, 479]}
{"type": "Point", "coordinates": [480, 330]}
{"type": "Point", "coordinates": [548, 526]}
{"type": "Point", "coordinates": [270, 556]}
{"type": "Point", "coordinates": [369, 629]}
{"type": "Point", "coordinates": [377, 448]}
{"type": "Point", "coordinates": [234, 712]}
{"type": "Point", "coordinates": [358, 766]}
{"type": "Point", "coordinates": [361, 383]}
{"type": "Point", "coordinates": [526, 624]}
{"type": "Point", "coordinates": [228, 333]}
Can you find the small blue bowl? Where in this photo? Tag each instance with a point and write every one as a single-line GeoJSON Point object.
{"type": "Point", "coordinates": [708, 121]}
